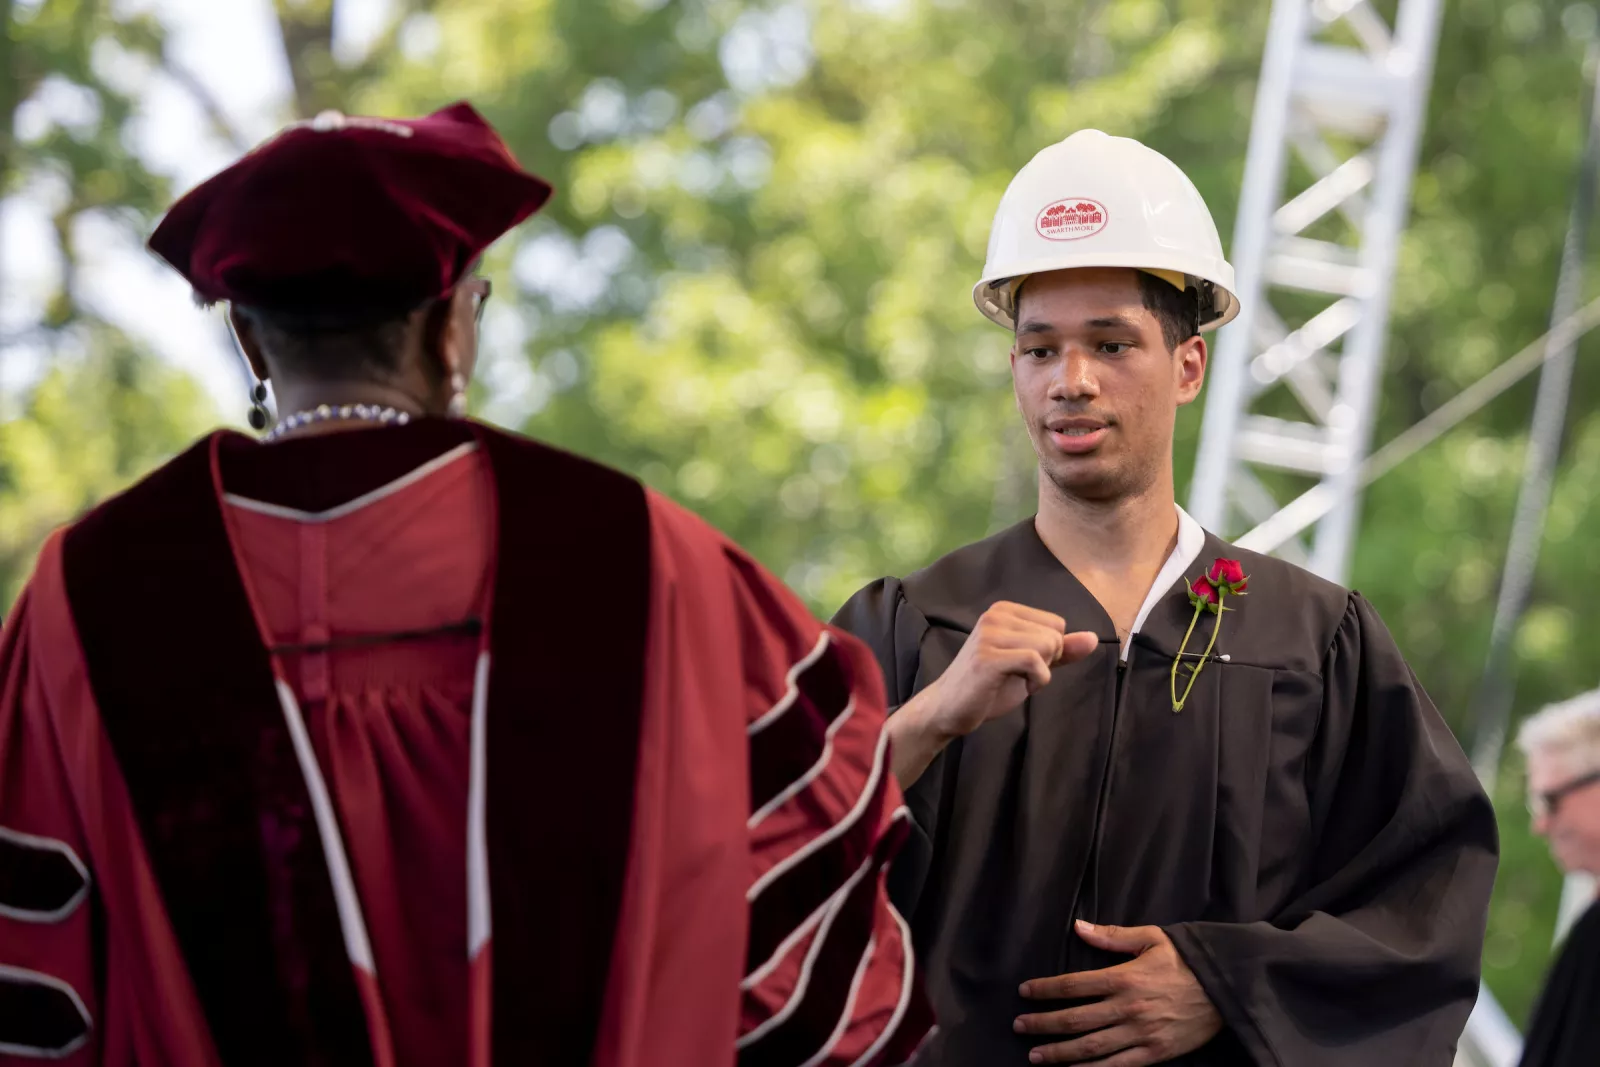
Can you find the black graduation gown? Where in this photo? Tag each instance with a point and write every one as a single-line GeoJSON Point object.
{"type": "Point", "coordinates": [1307, 830]}
{"type": "Point", "coordinates": [1565, 1031]}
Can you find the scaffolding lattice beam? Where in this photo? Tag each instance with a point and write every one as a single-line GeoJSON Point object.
{"type": "Point", "coordinates": [1333, 144]}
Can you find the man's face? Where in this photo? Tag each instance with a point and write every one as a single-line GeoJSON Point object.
{"type": "Point", "coordinates": [1572, 825]}
{"type": "Point", "coordinates": [1096, 384]}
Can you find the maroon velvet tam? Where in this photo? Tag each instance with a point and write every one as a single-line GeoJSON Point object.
{"type": "Point", "coordinates": [346, 216]}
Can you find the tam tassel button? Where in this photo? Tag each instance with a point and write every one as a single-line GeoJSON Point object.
{"type": "Point", "coordinates": [1208, 593]}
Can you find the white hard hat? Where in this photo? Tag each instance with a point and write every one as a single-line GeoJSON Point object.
{"type": "Point", "coordinates": [1094, 200]}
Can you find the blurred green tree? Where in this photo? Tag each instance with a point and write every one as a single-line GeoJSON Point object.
{"type": "Point", "coordinates": [753, 286]}
{"type": "Point", "coordinates": [91, 425]}
{"type": "Point", "coordinates": [101, 410]}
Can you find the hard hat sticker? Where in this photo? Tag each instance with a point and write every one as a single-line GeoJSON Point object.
{"type": "Point", "coordinates": [1071, 219]}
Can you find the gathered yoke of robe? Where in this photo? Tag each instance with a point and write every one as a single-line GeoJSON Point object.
{"type": "Point", "coordinates": [752, 921]}
{"type": "Point", "coordinates": [1306, 830]}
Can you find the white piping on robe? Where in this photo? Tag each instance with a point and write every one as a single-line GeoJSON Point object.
{"type": "Point", "coordinates": [798, 934]}
{"type": "Point", "coordinates": [350, 507]}
{"type": "Point", "coordinates": [777, 1018]}
{"type": "Point", "coordinates": [22, 974]}
{"type": "Point", "coordinates": [1191, 539]}
{"type": "Point", "coordinates": [46, 844]}
{"type": "Point", "coordinates": [477, 808]}
{"type": "Point", "coordinates": [351, 921]}
{"type": "Point", "coordinates": [851, 817]}
{"type": "Point", "coordinates": [792, 687]}
{"type": "Point", "coordinates": [842, 1027]}
{"type": "Point", "coordinates": [907, 980]}
{"type": "Point", "coordinates": [796, 995]}
{"type": "Point", "coordinates": [812, 773]}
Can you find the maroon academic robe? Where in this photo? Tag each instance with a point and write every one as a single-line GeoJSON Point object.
{"type": "Point", "coordinates": [603, 793]}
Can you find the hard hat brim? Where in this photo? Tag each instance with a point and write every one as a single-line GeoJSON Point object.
{"type": "Point", "coordinates": [994, 296]}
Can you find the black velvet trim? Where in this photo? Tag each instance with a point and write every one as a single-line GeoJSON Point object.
{"type": "Point", "coordinates": [803, 888]}
{"type": "Point", "coordinates": [38, 1017]}
{"type": "Point", "coordinates": [793, 743]}
{"type": "Point", "coordinates": [827, 993]}
{"type": "Point", "coordinates": [567, 640]}
{"type": "Point", "coordinates": [325, 471]}
{"type": "Point", "coordinates": [37, 879]}
{"type": "Point", "coordinates": [186, 694]}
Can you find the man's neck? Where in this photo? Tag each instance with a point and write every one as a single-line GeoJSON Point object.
{"type": "Point", "coordinates": [1131, 533]}
{"type": "Point", "coordinates": [1115, 548]}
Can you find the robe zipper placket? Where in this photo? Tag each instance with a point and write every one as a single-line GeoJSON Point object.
{"type": "Point", "coordinates": [1092, 867]}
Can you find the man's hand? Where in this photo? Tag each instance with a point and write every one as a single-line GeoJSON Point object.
{"type": "Point", "coordinates": [1005, 659]}
{"type": "Point", "coordinates": [1152, 1008]}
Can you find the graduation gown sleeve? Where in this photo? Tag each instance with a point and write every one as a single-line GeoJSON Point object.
{"type": "Point", "coordinates": [48, 995]}
{"type": "Point", "coordinates": [89, 970]}
{"type": "Point", "coordinates": [825, 972]}
{"type": "Point", "coordinates": [1377, 958]}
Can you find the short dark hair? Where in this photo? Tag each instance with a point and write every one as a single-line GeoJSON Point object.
{"type": "Point", "coordinates": [329, 352]}
{"type": "Point", "coordinates": [340, 344]}
{"type": "Point", "coordinates": [1178, 310]}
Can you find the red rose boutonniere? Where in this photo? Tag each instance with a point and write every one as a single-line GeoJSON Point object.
{"type": "Point", "coordinates": [1229, 574]}
{"type": "Point", "coordinates": [1208, 593]}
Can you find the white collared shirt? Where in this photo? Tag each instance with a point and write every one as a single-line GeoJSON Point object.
{"type": "Point", "coordinates": [1191, 539]}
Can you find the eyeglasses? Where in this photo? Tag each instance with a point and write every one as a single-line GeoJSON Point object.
{"type": "Point", "coordinates": [1543, 805]}
{"type": "Point", "coordinates": [481, 289]}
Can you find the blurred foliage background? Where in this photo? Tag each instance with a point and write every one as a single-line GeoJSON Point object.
{"type": "Point", "coordinates": [752, 288]}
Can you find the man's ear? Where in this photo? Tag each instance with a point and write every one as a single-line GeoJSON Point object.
{"type": "Point", "coordinates": [1191, 358]}
{"type": "Point", "coordinates": [244, 333]}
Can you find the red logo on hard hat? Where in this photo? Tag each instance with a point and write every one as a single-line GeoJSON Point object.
{"type": "Point", "coordinates": [1071, 219]}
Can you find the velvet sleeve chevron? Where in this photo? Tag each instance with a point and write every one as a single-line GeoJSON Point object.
{"type": "Point", "coordinates": [830, 979]}
{"type": "Point", "coordinates": [48, 1000]}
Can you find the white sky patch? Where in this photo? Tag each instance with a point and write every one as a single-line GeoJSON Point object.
{"type": "Point", "coordinates": [513, 390]}
{"type": "Point", "coordinates": [125, 284]}
{"type": "Point", "coordinates": [883, 7]}
{"type": "Point", "coordinates": [233, 49]}
{"type": "Point", "coordinates": [126, 72]}
{"type": "Point", "coordinates": [712, 117]}
{"type": "Point", "coordinates": [572, 275]}
{"type": "Point", "coordinates": [357, 25]}
{"type": "Point", "coordinates": [767, 49]}
{"type": "Point", "coordinates": [30, 267]}
{"type": "Point", "coordinates": [58, 102]}
{"type": "Point", "coordinates": [420, 37]}
{"type": "Point", "coordinates": [30, 270]}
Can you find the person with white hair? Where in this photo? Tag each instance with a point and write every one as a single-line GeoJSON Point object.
{"type": "Point", "coordinates": [1562, 747]}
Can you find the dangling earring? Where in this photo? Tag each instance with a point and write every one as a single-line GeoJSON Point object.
{"type": "Point", "coordinates": [457, 408]}
{"type": "Point", "coordinates": [258, 407]}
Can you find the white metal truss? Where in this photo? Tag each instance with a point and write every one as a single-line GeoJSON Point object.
{"type": "Point", "coordinates": [1294, 381]}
